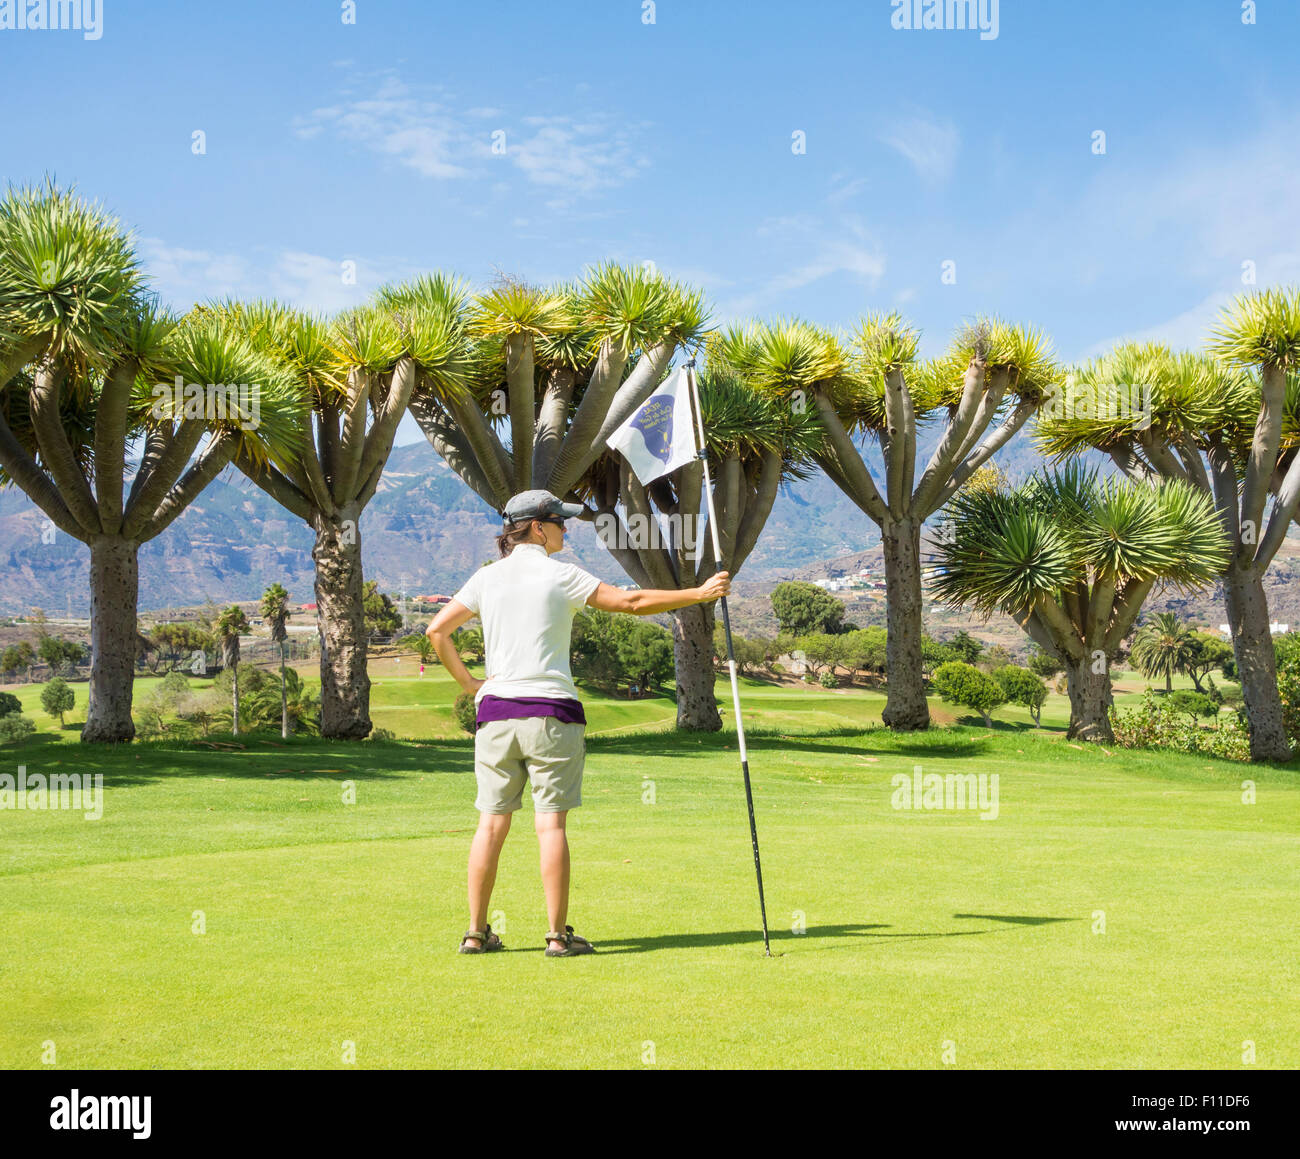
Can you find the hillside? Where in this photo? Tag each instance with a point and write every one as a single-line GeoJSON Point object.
{"type": "Point", "coordinates": [426, 531]}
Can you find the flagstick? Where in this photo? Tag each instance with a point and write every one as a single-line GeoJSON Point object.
{"type": "Point", "coordinates": [731, 654]}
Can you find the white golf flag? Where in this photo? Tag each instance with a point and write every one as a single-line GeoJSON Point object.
{"type": "Point", "coordinates": [659, 437]}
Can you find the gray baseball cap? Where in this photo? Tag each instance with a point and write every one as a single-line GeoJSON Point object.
{"type": "Point", "coordinates": [535, 504]}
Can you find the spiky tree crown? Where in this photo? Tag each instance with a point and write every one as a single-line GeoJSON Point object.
{"type": "Point", "coordinates": [73, 298]}
{"type": "Point", "coordinates": [1069, 526]}
{"type": "Point", "coordinates": [628, 308]}
{"type": "Point", "coordinates": [1143, 391]}
{"type": "Point", "coordinates": [791, 356]}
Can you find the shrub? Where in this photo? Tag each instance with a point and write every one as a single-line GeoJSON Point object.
{"type": "Point", "coordinates": [1193, 703]}
{"type": "Point", "coordinates": [382, 734]}
{"type": "Point", "coordinates": [612, 651]}
{"type": "Point", "coordinates": [1041, 664]}
{"type": "Point", "coordinates": [819, 651]}
{"type": "Point", "coordinates": [251, 678]}
{"type": "Point", "coordinates": [57, 698]}
{"type": "Point", "coordinates": [15, 727]}
{"type": "Point", "coordinates": [1021, 686]}
{"type": "Point", "coordinates": [1157, 724]}
{"type": "Point", "coordinates": [466, 712]}
{"type": "Point", "coordinates": [203, 709]}
{"type": "Point", "coordinates": [9, 704]}
{"type": "Point", "coordinates": [804, 609]}
{"type": "Point", "coordinates": [1287, 649]}
{"type": "Point", "coordinates": [828, 679]}
{"type": "Point", "coordinates": [964, 684]}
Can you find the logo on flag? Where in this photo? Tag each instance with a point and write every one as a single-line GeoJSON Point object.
{"type": "Point", "coordinates": [658, 437]}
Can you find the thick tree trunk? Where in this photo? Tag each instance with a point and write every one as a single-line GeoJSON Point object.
{"type": "Point", "coordinates": [1252, 645]}
{"type": "Point", "coordinates": [905, 709]}
{"type": "Point", "coordinates": [1090, 700]}
{"type": "Point", "coordinates": [114, 586]}
{"type": "Point", "coordinates": [693, 656]}
{"type": "Point", "coordinates": [344, 684]}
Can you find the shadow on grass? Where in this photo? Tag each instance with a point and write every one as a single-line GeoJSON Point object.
{"type": "Point", "coordinates": [699, 941]}
{"type": "Point", "coordinates": [1013, 920]}
{"type": "Point", "coordinates": [878, 740]}
{"type": "Point", "coordinates": [152, 761]}
{"type": "Point", "coordinates": [267, 755]}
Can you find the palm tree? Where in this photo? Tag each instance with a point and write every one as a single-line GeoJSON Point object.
{"type": "Point", "coordinates": [82, 345]}
{"type": "Point", "coordinates": [1162, 647]}
{"type": "Point", "coordinates": [1072, 558]}
{"type": "Point", "coordinates": [755, 443]}
{"type": "Point", "coordinates": [359, 372]}
{"type": "Point", "coordinates": [422, 646]}
{"type": "Point", "coordinates": [275, 611]}
{"type": "Point", "coordinates": [297, 705]}
{"type": "Point", "coordinates": [871, 385]}
{"type": "Point", "coordinates": [230, 625]}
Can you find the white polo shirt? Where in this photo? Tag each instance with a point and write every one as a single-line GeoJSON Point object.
{"type": "Point", "coordinates": [526, 603]}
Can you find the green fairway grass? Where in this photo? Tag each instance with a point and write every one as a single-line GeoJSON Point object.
{"type": "Point", "coordinates": [329, 923]}
{"type": "Point", "coordinates": [415, 707]}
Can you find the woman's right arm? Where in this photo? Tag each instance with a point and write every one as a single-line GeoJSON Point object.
{"type": "Point", "coordinates": [444, 624]}
{"type": "Point", "coordinates": [649, 601]}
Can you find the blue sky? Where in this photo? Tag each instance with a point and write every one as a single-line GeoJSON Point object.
{"type": "Point", "coordinates": [671, 142]}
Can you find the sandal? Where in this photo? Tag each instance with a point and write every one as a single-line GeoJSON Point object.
{"type": "Point", "coordinates": [573, 944]}
{"type": "Point", "coordinates": [488, 941]}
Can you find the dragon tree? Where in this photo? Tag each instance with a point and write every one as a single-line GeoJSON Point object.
{"type": "Point", "coordinates": [754, 444]}
{"type": "Point", "coordinates": [871, 386]}
{"type": "Point", "coordinates": [1227, 426]}
{"type": "Point", "coordinates": [555, 371]}
{"type": "Point", "coordinates": [358, 372]}
{"type": "Point", "coordinates": [90, 369]}
{"type": "Point", "coordinates": [1071, 557]}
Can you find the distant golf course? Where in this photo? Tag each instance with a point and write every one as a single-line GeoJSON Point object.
{"type": "Point", "coordinates": [1124, 909]}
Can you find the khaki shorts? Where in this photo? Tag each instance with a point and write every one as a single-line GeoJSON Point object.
{"type": "Point", "coordinates": [543, 749]}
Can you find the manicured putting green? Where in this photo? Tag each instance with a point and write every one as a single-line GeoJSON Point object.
{"type": "Point", "coordinates": [329, 923]}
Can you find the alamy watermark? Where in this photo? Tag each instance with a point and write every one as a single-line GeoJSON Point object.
{"type": "Point", "coordinates": [638, 532]}
{"type": "Point", "coordinates": [77, 1112]}
{"type": "Point", "coordinates": [1126, 402]}
{"type": "Point", "coordinates": [213, 402]}
{"type": "Point", "coordinates": [86, 16]}
{"type": "Point", "coordinates": [75, 791]}
{"type": "Point", "coordinates": [946, 791]}
{"type": "Point", "coordinates": [949, 15]}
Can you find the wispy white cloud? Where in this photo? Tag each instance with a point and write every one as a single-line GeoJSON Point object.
{"type": "Point", "coordinates": [835, 257]}
{"type": "Point", "coordinates": [580, 155]}
{"type": "Point", "coordinates": [929, 144]}
{"type": "Point", "coordinates": [423, 131]}
{"type": "Point", "coordinates": [843, 247]}
{"type": "Point", "coordinates": [420, 133]}
{"type": "Point", "coordinates": [845, 189]}
{"type": "Point", "coordinates": [308, 281]}
{"type": "Point", "coordinates": [184, 276]}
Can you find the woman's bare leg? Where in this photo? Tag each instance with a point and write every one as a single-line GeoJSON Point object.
{"type": "Point", "coordinates": [553, 845]}
{"type": "Point", "coordinates": [484, 853]}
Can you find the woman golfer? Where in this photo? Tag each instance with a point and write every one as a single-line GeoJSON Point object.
{"type": "Point", "coordinates": [530, 723]}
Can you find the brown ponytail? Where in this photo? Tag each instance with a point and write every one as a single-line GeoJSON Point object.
{"type": "Point", "coordinates": [512, 535]}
